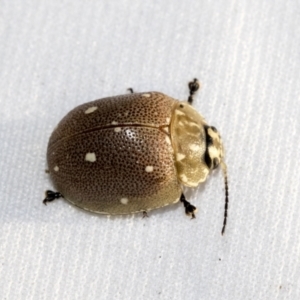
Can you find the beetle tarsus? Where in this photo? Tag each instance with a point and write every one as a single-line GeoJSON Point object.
{"type": "Point", "coordinates": [50, 196]}
{"type": "Point", "coordinates": [145, 214]}
{"type": "Point", "coordinates": [193, 87]}
{"type": "Point", "coordinates": [130, 90]}
{"type": "Point", "coordinates": [189, 208]}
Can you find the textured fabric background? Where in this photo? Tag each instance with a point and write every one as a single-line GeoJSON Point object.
{"type": "Point", "coordinates": [57, 54]}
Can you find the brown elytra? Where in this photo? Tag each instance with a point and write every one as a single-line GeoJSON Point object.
{"type": "Point", "coordinates": [132, 153]}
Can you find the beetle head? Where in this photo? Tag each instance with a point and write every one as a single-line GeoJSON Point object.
{"type": "Point", "coordinates": [214, 148]}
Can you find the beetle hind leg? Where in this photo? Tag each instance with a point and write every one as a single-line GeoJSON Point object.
{"type": "Point", "coordinates": [50, 196]}
{"type": "Point", "coordinates": [193, 87]}
{"type": "Point", "coordinates": [189, 208]}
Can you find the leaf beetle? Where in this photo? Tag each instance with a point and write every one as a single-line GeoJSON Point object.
{"type": "Point", "coordinates": [133, 153]}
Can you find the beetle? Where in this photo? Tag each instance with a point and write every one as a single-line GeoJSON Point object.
{"type": "Point", "coordinates": [133, 153]}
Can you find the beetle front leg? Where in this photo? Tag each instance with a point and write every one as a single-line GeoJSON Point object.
{"type": "Point", "coordinates": [189, 208]}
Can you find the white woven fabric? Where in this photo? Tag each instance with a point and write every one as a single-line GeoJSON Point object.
{"type": "Point", "coordinates": [57, 54]}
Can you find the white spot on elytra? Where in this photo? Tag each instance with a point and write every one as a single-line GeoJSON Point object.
{"type": "Point", "coordinates": [168, 120]}
{"type": "Point", "coordinates": [168, 140]}
{"type": "Point", "coordinates": [194, 147]}
{"type": "Point", "coordinates": [180, 156]}
{"type": "Point", "coordinates": [126, 113]}
{"type": "Point", "coordinates": [146, 95]}
{"type": "Point", "coordinates": [124, 200]}
{"type": "Point", "coordinates": [56, 168]}
{"type": "Point", "coordinates": [166, 129]}
{"type": "Point", "coordinates": [176, 200]}
{"type": "Point", "coordinates": [149, 169]}
{"type": "Point", "coordinates": [114, 123]}
{"type": "Point", "coordinates": [117, 129]}
{"type": "Point", "coordinates": [91, 157]}
{"type": "Point", "coordinates": [91, 109]}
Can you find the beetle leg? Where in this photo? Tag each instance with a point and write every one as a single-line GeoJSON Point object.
{"type": "Point", "coordinates": [145, 215]}
{"type": "Point", "coordinates": [130, 90]}
{"type": "Point", "coordinates": [50, 196]}
{"type": "Point", "coordinates": [193, 87]}
{"type": "Point", "coordinates": [189, 208]}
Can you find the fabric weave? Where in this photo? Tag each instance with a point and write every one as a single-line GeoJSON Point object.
{"type": "Point", "coordinates": [57, 54]}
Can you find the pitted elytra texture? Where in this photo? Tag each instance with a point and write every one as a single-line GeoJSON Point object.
{"type": "Point", "coordinates": [122, 170]}
{"type": "Point", "coordinates": [125, 109]}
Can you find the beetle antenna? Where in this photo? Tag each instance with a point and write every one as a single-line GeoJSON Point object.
{"type": "Point", "coordinates": [224, 169]}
